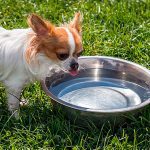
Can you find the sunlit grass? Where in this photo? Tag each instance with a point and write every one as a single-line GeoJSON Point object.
{"type": "Point", "coordinates": [116, 28]}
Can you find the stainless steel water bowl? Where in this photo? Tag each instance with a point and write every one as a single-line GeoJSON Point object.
{"type": "Point", "coordinates": [106, 89]}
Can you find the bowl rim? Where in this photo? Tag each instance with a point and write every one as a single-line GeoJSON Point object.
{"type": "Point", "coordinates": [84, 109]}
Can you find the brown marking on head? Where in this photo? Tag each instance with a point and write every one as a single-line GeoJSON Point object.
{"type": "Point", "coordinates": [49, 45]}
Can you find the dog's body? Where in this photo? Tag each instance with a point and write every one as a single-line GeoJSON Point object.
{"type": "Point", "coordinates": [27, 54]}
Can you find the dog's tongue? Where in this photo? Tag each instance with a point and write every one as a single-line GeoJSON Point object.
{"type": "Point", "coordinates": [73, 73]}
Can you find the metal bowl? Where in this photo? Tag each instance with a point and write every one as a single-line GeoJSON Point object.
{"type": "Point", "coordinates": [106, 89]}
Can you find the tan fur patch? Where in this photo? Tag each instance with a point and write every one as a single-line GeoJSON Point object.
{"type": "Point", "coordinates": [48, 44]}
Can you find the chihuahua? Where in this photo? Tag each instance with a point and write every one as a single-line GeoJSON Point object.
{"type": "Point", "coordinates": [26, 55]}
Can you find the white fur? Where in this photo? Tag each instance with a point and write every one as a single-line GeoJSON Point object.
{"type": "Point", "coordinates": [71, 41]}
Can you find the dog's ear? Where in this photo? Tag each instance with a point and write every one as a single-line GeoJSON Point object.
{"type": "Point", "coordinates": [76, 22]}
{"type": "Point", "coordinates": [40, 26]}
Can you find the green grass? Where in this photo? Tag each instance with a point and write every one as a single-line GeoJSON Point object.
{"type": "Point", "coordinates": [119, 28]}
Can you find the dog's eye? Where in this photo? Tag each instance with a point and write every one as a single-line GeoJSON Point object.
{"type": "Point", "coordinates": [62, 56]}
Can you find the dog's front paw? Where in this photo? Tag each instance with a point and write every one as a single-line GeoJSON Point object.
{"type": "Point", "coordinates": [23, 102]}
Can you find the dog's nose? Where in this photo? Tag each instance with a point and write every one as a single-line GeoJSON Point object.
{"type": "Point", "coordinates": [74, 66]}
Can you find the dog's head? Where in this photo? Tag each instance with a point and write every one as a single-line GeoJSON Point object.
{"type": "Point", "coordinates": [61, 45]}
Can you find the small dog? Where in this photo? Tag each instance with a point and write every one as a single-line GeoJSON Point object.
{"type": "Point", "coordinates": [27, 54]}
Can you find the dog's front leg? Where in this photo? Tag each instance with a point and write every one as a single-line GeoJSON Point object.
{"type": "Point", "coordinates": [13, 96]}
{"type": "Point", "coordinates": [13, 102]}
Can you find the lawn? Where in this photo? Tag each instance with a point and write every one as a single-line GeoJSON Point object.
{"type": "Point", "coordinates": [119, 28]}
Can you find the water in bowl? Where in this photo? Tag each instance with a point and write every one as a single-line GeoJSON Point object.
{"type": "Point", "coordinates": [103, 93]}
